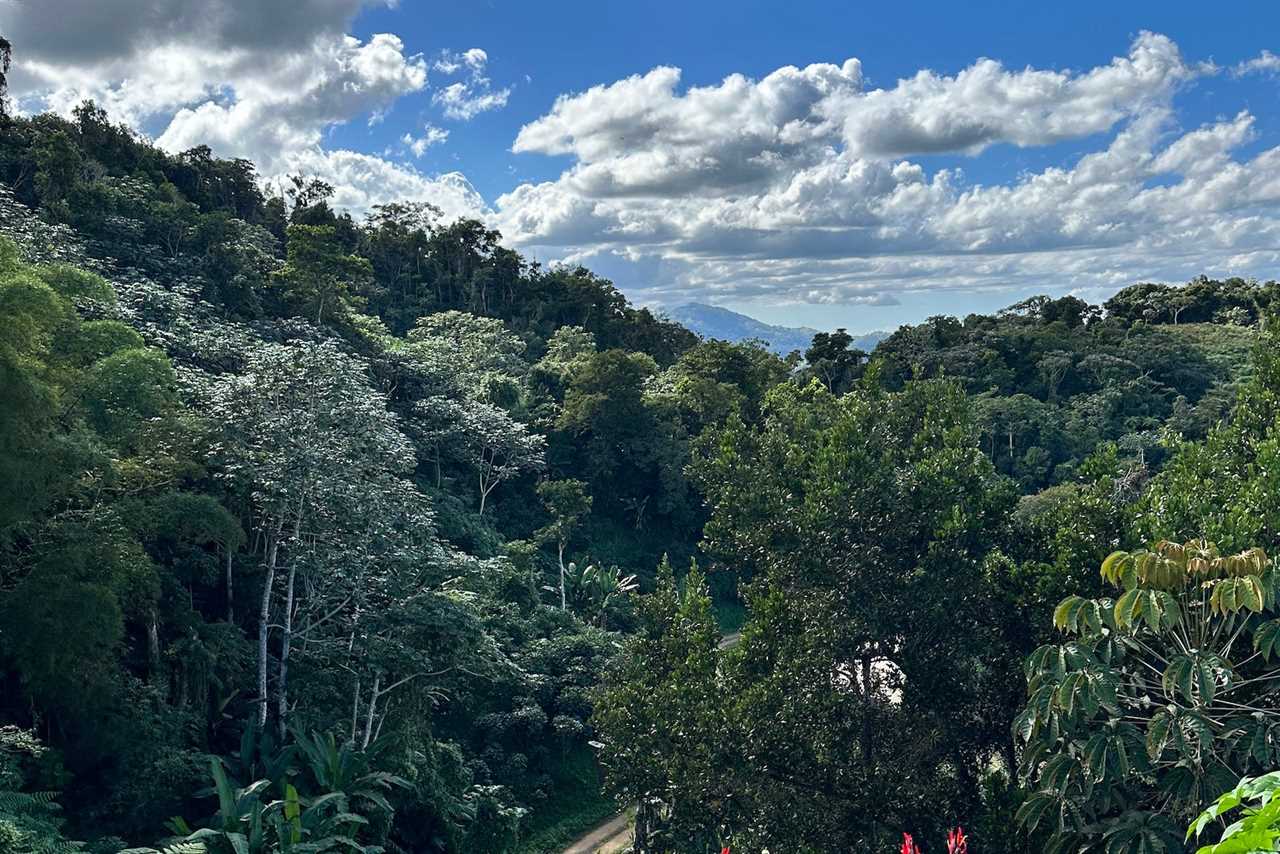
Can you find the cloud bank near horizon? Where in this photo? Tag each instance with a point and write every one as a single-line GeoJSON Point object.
{"type": "Point", "coordinates": [807, 185]}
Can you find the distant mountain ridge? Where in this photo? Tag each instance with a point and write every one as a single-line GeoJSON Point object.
{"type": "Point", "coordinates": [709, 321]}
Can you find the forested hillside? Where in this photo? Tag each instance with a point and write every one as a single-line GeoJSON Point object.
{"type": "Point", "coordinates": [273, 475]}
{"type": "Point", "coordinates": [1052, 379]}
{"type": "Point", "coordinates": [400, 541]}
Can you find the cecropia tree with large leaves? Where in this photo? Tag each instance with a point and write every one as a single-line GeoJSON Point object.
{"type": "Point", "coordinates": [1156, 702]}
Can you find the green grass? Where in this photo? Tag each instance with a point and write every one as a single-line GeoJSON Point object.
{"type": "Point", "coordinates": [577, 805]}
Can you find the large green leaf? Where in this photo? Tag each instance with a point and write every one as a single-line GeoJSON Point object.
{"type": "Point", "coordinates": [1266, 637]}
{"type": "Point", "coordinates": [1035, 808]}
{"type": "Point", "coordinates": [1178, 677]}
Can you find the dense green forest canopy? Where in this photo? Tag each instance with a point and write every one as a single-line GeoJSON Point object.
{"type": "Point", "coordinates": [372, 525]}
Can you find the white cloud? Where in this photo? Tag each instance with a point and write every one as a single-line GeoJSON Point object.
{"type": "Point", "coordinates": [640, 136]}
{"type": "Point", "coordinates": [468, 98]}
{"type": "Point", "coordinates": [987, 104]}
{"type": "Point", "coordinates": [140, 59]}
{"type": "Point", "coordinates": [431, 135]}
{"type": "Point", "coordinates": [275, 114]}
{"type": "Point", "coordinates": [264, 81]}
{"type": "Point", "coordinates": [363, 180]}
{"type": "Point", "coordinates": [1264, 63]}
{"type": "Point", "coordinates": [801, 186]}
{"type": "Point", "coordinates": [462, 102]}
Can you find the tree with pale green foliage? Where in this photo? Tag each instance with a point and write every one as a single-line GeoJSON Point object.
{"type": "Point", "coordinates": [318, 279]}
{"type": "Point", "coordinates": [1157, 700]}
{"type": "Point", "coordinates": [568, 502]}
{"type": "Point", "coordinates": [313, 445]}
{"type": "Point", "coordinates": [481, 354]}
{"type": "Point", "coordinates": [1257, 828]}
{"type": "Point", "coordinates": [499, 448]}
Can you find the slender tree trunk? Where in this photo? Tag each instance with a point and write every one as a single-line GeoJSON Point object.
{"type": "Point", "coordinates": [264, 615]}
{"type": "Point", "coordinates": [355, 711]}
{"type": "Point", "coordinates": [153, 645]}
{"type": "Point", "coordinates": [286, 643]}
{"type": "Point", "coordinates": [564, 606]}
{"type": "Point", "coordinates": [231, 593]}
{"type": "Point", "coordinates": [373, 705]}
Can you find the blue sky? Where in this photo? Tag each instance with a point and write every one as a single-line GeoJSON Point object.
{"type": "Point", "coordinates": [1113, 142]}
{"type": "Point", "coordinates": [571, 46]}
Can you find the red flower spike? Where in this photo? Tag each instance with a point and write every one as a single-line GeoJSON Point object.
{"type": "Point", "coordinates": [957, 842]}
{"type": "Point", "coordinates": [909, 845]}
{"type": "Point", "coordinates": [724, 850]}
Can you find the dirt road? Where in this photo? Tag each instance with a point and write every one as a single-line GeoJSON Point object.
{"type": "Point", "coordinates": [609, 838]}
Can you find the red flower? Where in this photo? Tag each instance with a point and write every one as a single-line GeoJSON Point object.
{"type": "Point", "coordinates": [909, 845]}
{"type": "Point", "coordinates": [724, 850]}
{"type": "Point", "coordinates": [957, 842]}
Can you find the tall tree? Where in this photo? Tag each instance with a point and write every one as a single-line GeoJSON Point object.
{"type": "Point", "coordinates": [501, 448]}
{"type": "Point", "coordinates": [568, 503]}
{"type": "Point", "coordinates": [865, 520]}
{"type": "Point", "coordinates": [318, 276]}
{"type": "Point", "coordinates": [665, 724]}
{"type": "Point", "coordinates": [308, 440]}
{"type": "Point", "coordinates": [6, 56]}
{"type": "Point", "coordinates": [833, 360]}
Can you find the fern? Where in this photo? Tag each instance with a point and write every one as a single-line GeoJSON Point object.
{"type": "Point", "coordinates": [31, 820]}
{"type": "Point", "coordinates": [26, 803]}
{"type": "Point", "coordinates": [181, 847]}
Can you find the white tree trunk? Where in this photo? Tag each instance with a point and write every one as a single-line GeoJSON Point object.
{"type": "Point", "coordinates": [564, 606]}
{"type": "Point", "coordinates": [264, 615]}
{"type": "Point", "coordinates": [286, 643]}
{"type": "Point", "coordinates": [373, 706]}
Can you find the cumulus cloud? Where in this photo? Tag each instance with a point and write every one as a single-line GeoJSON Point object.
{"type": "Point", "coordinates": [468, 98]}
{"type": "Point", "coordinates": [1264, 63]}
{"type": "Point", "coordinates": [361, 181]}
{"type": "Point", "coordinates": [640, 136]}
{"type": "Point", "coordinates": [805, 185]}
{"type": "Point", "coordinates": [986, 103]}
{"type": "Point", "coordinates": [278, 113]}
{"type": "Point", "coordinates": [140, 58]}
{"type": "Point", "coordinates": [83, 33]}
{"type": "Point", "coordinates": [264, 81]}
{"type": "Point", "coordinates": [431, 135]}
